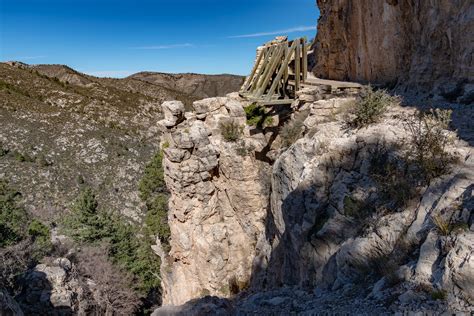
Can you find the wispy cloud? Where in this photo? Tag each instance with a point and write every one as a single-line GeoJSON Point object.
{"type": "Point", "coordinates": [279, 32]}
{"type": "Point", "coordinates": [109, 73]}
{"type": "Point", "coordinates": [171, 46]}
{"type": "Point", "coordinates": [29, 57]}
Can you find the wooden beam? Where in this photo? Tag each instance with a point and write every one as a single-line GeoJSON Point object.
{"type": "Point", "coordinates": [275, 102]}
{"type": "Point", "coordinates": [305, 60]}
{"type": "Point", "coordinates": [276, 59]}
{"type": "Point", "coordinates": [254, 70]}
{"type": "Point", "coordinates": [297, 65]}
{"type": "Point", "coordinates": [256, 79]}
{"type": "Point", "coordinates": [281, 71]}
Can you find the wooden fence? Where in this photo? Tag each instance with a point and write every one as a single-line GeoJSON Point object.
{"type": "Point", "coordinates": [280, 69]}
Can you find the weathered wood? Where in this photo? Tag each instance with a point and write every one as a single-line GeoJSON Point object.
{"type": "Point", "coordinates": [279, 72]}
{"type": "Point", "coordinates": [271, 69]}
{"type": "Point", "coordinates": [268, 54]}
{"type": "Point", "coordinates": [265, 68]}
{"type": "Point", "coordinates": [297, 66]}
{"type": "Point", "coordinates": [254, 70]}
{"type": "Point", "coordinates": [275, 102]}
{"type": "Point", "coordinates": [305, 60]}
{"type": "Point", "coordinates": [283, 67]}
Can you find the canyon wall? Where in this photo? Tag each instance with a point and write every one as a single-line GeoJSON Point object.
{"type": "Point", "coordinates": [424, 47]}
{"type": "Point", "coordinates": [339, 221]}
{"type": "Point", "coordinates": [218, 201]}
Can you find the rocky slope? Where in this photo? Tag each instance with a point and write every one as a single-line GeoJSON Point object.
{"type": "Point", "coordinates": [184, 87]}
{"type": "Point", "coordinates": [193, 86]}
{"type": "Point", "coordinates": [332, 233]}
{"type": "Point", "coordinates": [60, 132]}
{"type": "Point", "coordinates": [419, 46]}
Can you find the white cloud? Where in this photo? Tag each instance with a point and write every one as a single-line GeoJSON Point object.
{"type": "Point", "coordinates": [164, 46]}
{"type": "Point", "coordinates": [279, 32]}
{"type": "Point", "coordinates": [109, 73]}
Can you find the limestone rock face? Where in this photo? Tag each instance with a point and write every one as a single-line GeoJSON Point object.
{"type": "Point", "coordinates": [315, 238]}
{"type": "Point", "coordinates": [217, 206]}
{"type": "Point", "coordinates": [51, 287]}
{"type": "Point", "coordinates": [317, 230]}
{"type": "Point", "coordinates": [421, 45]}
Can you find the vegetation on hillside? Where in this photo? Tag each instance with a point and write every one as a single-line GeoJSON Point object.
{"type": "Point", "coordinates": [23, 239]}
{"type": "Point", "coordinates": [257, 116]}
{"type": "Point", "coordinates": [231, 131]}
{"type": "Point", "coordinates": [126, 245]}
{"type": "Point", "coordinates": [370, 107]}
{"type": "Point", "coordinates": [155, 195]}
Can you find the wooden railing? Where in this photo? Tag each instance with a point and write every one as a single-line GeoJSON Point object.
{"type": "Point", "coordinates": [281, 67]}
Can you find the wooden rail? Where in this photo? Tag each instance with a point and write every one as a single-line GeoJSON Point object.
{"type": "Point", "coordinates": [280, 69]}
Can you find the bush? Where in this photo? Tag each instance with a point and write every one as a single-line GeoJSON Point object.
{"type": "Point", "coordinates": [13, 219]}
{"type": "Point", "coordinates": [439, 295]}
{"type": "Point", "coordinates": [152, 181]}
{"type": "Point", "coordinates": [16, 226]}
{"type": "Point", "coordinates": [86, 223]}
{"type": "Point", "coordinates": [391, 176]}
{"type": "Point", "coordinates": [3, 151]}
{"type": "Point", "coordinates": [370, 107]}
{"type": "Point", "coordinates": [156, 220]}
{"type": "Point", "coordinates": [356, 208]}
{"type": "Point", "coordinates": [127, 247]}
{"type": "Point", "coordinates": [257, 115]}
{"type": "Point", "coordinates": [293, 129]}
{"type": "Point", "coordinates": [428, 141]}
{"type": "Point", "coordinates": [41, 236]}
{"type": "Point", "coordinates": [113, 286]}
{"type": "Point", "coordinates": [23, 157]}
{"type": "Point", "coordinates": [154, 193]}
{"type": "Point", "coordinates": [231, 130]}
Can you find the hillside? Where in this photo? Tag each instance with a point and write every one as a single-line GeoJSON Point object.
{"type": "Point", "coordinates": [164, 86]}
{"type": "Point", "coordinates": [63, 132]}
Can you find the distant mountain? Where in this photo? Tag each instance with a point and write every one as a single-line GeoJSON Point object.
{"type": "Point", "coordinates": [194, 86]}
{"type": "Point", "coordinates": [186, 87]}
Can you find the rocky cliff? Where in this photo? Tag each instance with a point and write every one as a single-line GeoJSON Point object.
{"type": "Point", "coordinates": [218, 201]}
{"type": "Point", "coordinates": [346, 225]}
{"type": "Point", "coordinates": [423, 47]}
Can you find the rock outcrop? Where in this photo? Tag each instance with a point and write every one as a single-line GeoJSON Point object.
{"type": "Point", "coordinates": [320, 240]}
{"type": "Point", "coordinates": [329, 234]}
{"type": "Point", "coordinates": [423, 47]}
{"type": "Point", "coordinates": [218, 201]}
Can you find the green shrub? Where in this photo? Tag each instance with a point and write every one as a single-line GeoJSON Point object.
{"type": "Point", "coordinates": [152, 181]}
{"type": "Point", "coordinates": [439, 295]}
{"type": "Point", "coordinates": [41, 236]}
{"type": "Point", "coordinates": [156, 220]}
{"type": "Point", "coordinates": [3, 151]}
{"type": "Point", "coordinates": [354, 207]}
{"type": "Point", "coordinates": [370, 107]}
{"type": "Point", "coordinates": [127, 246]}
{"type": "Point", "coordinates": [230, 130]}
{"type": "Point", "coordinates": [257, 115]}
{"type": "Point", "coordinates": [13, 219]}
{"type": "Point", "coordinates": [86, 223]}
{"type": "Point", "coordinates": [428, 141]}
{"type": "Point", "coordinates": [23, 157]}
{"type": "Point", "coordinates": [293, 129]}
{"type": "Point", "coordinates": [15, 224]}
{"type": "Point", "coordinates": [391, 175]}
{"type": "Point", "coordinates": [154, 193]}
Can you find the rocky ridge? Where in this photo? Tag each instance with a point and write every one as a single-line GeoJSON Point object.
{"type": "Point", "coordinates": [306, 248]}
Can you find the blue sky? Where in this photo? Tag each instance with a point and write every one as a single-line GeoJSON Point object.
{"type": "Point", "coordinates": [119, 37]}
